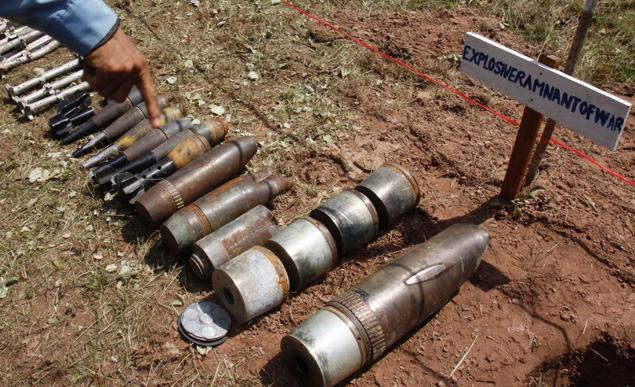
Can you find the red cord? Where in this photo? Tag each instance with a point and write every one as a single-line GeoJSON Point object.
{"type": "Point", "coordinates": [413, 70]}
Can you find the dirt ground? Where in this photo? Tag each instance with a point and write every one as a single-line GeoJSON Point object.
{"type": "Point", "coordinates": [551, 304]}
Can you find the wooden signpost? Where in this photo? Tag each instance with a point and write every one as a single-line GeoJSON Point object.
{"type": "Point", "coordinates": [544, 90]}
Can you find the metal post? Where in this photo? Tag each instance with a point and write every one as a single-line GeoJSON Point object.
{"type": "Point", "coordinates": [574, 54]}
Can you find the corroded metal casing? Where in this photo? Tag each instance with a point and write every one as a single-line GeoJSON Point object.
{"type": "Point", "coordinates": [251, 284]}
{"type": "Point", "coordinates": [200, 176]}
{"type": "Point", "coordinates": [156, 137]}
{"type": "Point", "coordinates": [220, 207]}
{"type": "Point", "coordinates": [307, 250]}
{"type": "Point", "coordinates": [351, 218]}
{"type": "Point", "coordinates": [250, 229]}
{"type": "Point", "coordinates": [393, 191]}
{"type": "Point", "coordinates": [357, 327]}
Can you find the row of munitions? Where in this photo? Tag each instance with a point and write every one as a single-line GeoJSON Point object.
{"type": "Point", "coordinates": [252, 262]}
{"type": "Point", "coordinates": [172, 169]}
{"type": "Point", "coordinates": [19, 45]}
{"type": "Point", "coordinates": [260, 279]}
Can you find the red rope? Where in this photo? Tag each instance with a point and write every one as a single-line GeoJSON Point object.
{"type": "Point", "coordinates": [452, 90]}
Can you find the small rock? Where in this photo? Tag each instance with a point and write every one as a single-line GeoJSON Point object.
{"type": "Point", "coordinates": [72, 194]}
{"type": "Point", "coordinates": [39, 175]}
{"type": "Point", "coordinates": [217, 110]}
{"type": "Point", "coordinates": [171, 80]}
{"type": "Point", "coordinates": [275, 2]}
{"type": "Point", "coordinates": [111, 268]}
{"type": "Point", "coordinates": [252, 75]}
{"type": "Point", "coordinates": [98, 257]}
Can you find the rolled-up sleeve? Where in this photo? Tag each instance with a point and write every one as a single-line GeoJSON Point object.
{"type": "Point", "coordinates": [80, 25]}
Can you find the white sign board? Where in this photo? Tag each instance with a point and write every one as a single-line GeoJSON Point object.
{"type": "Point", "coordinates": [584, 108]}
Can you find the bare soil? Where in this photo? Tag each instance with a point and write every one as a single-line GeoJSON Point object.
{"type": "Point", "coordinates": [551, 304]}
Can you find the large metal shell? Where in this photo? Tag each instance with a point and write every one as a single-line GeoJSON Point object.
{"type": "Point", "coordinates": [196, 179]}
{"type": "Point", "coordinates": [351, 218]}
{"type": "Point", "coordinates": [219, 207]}
{"type": "Point", "coordinates": [307, 250]}
{"type": "Point", "coordinates": [384, 307]}
{"type": "Point", "coordinates": [393, 191]}
{"type": "Point", "coordinates": [252, 228]}
{"type": "Point", "coordinates": [251, 284]}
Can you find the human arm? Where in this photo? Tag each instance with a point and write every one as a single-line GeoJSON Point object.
{"type": "Point", "coordinates": [91, 29]}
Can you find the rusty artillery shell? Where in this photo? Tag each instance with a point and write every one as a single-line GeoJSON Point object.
{"type": "Point", "coordinates": [251, 284]}
{"type": "Point", "coordinates": [307, 250]}
{"type": "Point", "coordinates": [220, 207]}
{"type": "Point", "coordinates": [131, 136]}
{"type": "Point", "coordinates": [118, 127]}
{"type": "Point", "coordinates": [191, 182]}
{"type": "Point", "coordinates": [212, 130]}
{"type": "Point", "coordinates": [393, 191]}
{"type": "Point", "coordinates": [250, 229]}
{"type": "Point", "coordinates": [105, 116]}
{"type": "Point", "coordinates": [350, 217]}
{"type": "Point", "coordinates": [358, 326]}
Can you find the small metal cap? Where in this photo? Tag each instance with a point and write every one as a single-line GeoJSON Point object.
{"type": "Point", "coordinates": [205, 323]}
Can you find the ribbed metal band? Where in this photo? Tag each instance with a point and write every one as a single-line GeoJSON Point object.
{"type": "Point", "coordinates": [172, 191]}
{"type": "Point", "coordinates": [202, 219]}
{"type": "Point", "coordinates": [354, 303]}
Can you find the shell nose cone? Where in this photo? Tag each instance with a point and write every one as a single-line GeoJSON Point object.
{"type": "Point", "coordinates": [247, 147]}
{"type": "Point", "coordinates": [177, 233]}
{"type": "Point", "coordinates": [277, 185]}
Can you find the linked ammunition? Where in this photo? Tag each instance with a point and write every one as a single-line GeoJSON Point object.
{"type": "Point", "coordinates": [251, 284]}
{"type": "Point", "coordinates": [307, 250]}
{"type": "Point", "coordinates": [191, 182]}
{"type": "Point", "coordinates": [131, 136]}
{"type": "Point", "coordinates": [358, 326]}
{"type": "Point", "coordinates": [31, 109]}
{"type": "Point", "coordinates": [105, 117]}
{"type": "Point", "coordinates": [28, 56]}
{"type": "Point", "coordinates": [42, 79]}
{"type": "Point", "coordinates": [19, 41]}
{"type": "Point", "coordinates": [351, 218]}
{"type": "Point", "coordinates": [250, 229]}
{"type": "Point", "coordinates": [393, 191]}
{"type": "Point", "coordinates": [50, 89]}
{"type": "Point", "coordinates": [219, 207]}
{"type": "Point", "coordinates": [122, 124]}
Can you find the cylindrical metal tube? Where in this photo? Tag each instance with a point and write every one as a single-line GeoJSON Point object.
{"type": "Point", "coordinates": [251, 284]}
{"type": "Point", "coordinates": [127, 121]}
{"type": "Point", "coordinates": [156, 137]}
{"type": "Point", "coordinates": [219, 207]}
{"type": "Point", "coordinates": [28, 56]}
{"type": "Point", "coordinates": [351, 218]}
{"type": "Point", "coordinates": [131, 136]}
{"type": "Point", "coordinates": [357, 327]}
{"type": "Point", "coordinates": [250, 229]}
{"type": "Point", "coordinates": [50, 89]}
{"type": "Point", "coordinates": [191, 182]}
{"type": "Point", "coordinates": [42, 79]}
{"type": "Point", "coordinates": [31, 109]}
{"type": "Point", "coordinates": [105, 116]}
{"type": "Point", "coordinates": [307, 250]}
{"type": "Point", "coordinates": [393, 191]}
{"type": "Point", "coordinates": [18, 41]}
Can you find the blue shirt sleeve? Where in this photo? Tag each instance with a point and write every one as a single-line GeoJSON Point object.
{"type": "Point", "coordinates": [80, 25]}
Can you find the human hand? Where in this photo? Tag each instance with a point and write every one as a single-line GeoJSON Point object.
{"type": "Point", "coordinates": [115, 67]}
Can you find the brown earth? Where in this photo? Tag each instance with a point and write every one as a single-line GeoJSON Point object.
{"type": "Point", "coordinates": [551, 304]}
